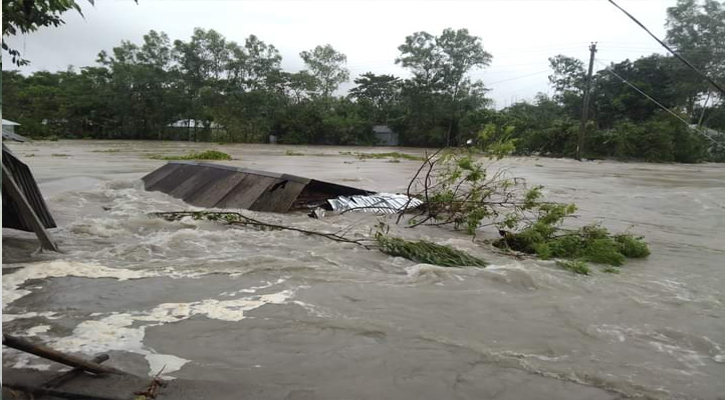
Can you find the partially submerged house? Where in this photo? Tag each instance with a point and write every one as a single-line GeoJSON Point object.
{"type": "Point", "coordinates": [8, 128]}
{"type": "Point", "coordinates": [191, 129]}
{"type": "Point", "coordinates": [385, 135]}
{"type": "Point", "coordinates": [193, 124]}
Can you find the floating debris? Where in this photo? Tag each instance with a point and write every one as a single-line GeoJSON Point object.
{"type": "Point", "coordinates": [23, 205]}
{"type": "Point", "coordinates": [385, 203]}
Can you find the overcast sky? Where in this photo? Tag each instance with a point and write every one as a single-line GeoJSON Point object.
{"type": "Point", "coordinates": [520, 34]}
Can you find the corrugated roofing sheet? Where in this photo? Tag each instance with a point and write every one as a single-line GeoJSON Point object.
{"type": "Point", "coordinates": [20, 173]}
{"type": "Point", "coordinates": [221, 186]}
{"type": "Point", "coordinates": [384, 203]}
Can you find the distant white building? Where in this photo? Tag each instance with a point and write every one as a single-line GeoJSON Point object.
{"type": "Point", "coordinates": [193, 123]}
{"type": "Point", "coordinates": [9, 126]}
{"type": "Point", "coordinates": [9, 131]}
{"type": "Point", "coordinates": [385, 135]}
{"type": "Point", "coordinates": [709, 133]}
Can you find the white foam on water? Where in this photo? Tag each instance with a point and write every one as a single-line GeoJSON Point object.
{"type": "Point", "coordinates": [612, 333]}
{"type": "Point", "coordinates": [534, 356]}
{"type": "Point", "coordinates": [29, 361]}
{"type": "Point", "coordinates": [720, 356]}
{"type": "Point", "coordinates": [667, 343]}
{"type": "Point", "coordinates": [98, 227]}
{"type": "Point", "coordinates": [117, 331]}
{"type": "Point", "coordinates": [36, 330]}
{"type": "Point", "coordinates": [314, 310]}
{"type": "Point", "coordinates": [254, 289]}
{"type": "Point", "coordinates": [164, 363]}
{"type": "Point", "coordinates": [688, 357]}
{"type": "Point", "coordinates": [126, 331]}
{"type": "Point", "coordinates": [32, 314]}
{"type": "Point", "coordinates": [60, 268]}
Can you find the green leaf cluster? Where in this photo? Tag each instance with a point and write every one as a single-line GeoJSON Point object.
{"type": "Point", "coordinates": [423, 251]}
{"type": "Point", "coordinates": [393, 154]}
{"type": "Point", "coordinates": [591, 243]}
{"type": "Point", "coordinates": [204, 155]}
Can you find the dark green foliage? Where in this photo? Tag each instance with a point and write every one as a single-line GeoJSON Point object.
{"type": "Point", "coordinates": [602, 251]}
{"type": "Point", "coordinates": [394, 155]}
{"type": "Point", "coordinates": [204, 155]}
{"type": "Point", "coordinates": [426, 252]}
{"type": "Point", "coordinates": [632, 247]}
{"type": "Point", "coordinates": [591, 243]}
{"type": "Point", "coordinates": [660, 138]}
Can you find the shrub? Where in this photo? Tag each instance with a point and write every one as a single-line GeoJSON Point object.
{"type": "Point", "coordinates": [632, 247]}
{"type": "Point", "coordinates": [394, 155]}
{"type": "Point", "coordinates": [205, 155]}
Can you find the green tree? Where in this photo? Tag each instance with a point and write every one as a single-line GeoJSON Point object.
{"type": "Point", "coordinates": [568, 79]}
{"type": "Point", "coordinates": [440, 64]}
{"type": "Point", "coordinates": [253, 66]}
{"type": "Point", "coordinates": [378, 92]}
{"type": "Point", "coordinates": [613, 100]}
{"type": "Point", "coordinates": [203, 68]}
{"type": "Point", "coordinates": [541, 127]}
{"type": "Point", "coordinates": [144, 94]}
{"type": "Point", "coordinates": [697, 32]}
{"type": "Point", "coordinates": [327, 66]}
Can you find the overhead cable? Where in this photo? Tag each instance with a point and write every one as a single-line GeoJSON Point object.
{"type": "Point", "coordinates": [702, 74]}
{"type": "Point", "coordinates": [660, 104]}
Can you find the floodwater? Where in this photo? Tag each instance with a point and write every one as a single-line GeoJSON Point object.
{"type": "Point", "coordinates": [299, 317]}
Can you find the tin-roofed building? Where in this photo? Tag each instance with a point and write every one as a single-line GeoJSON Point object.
{"type": "Point", "coordinates": [8, 128]}
{"type": "Point", "coordinates": [385, 135]}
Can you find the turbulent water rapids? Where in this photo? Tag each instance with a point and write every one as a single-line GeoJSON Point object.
{"type": "Point", "coordinates": [303, 317]}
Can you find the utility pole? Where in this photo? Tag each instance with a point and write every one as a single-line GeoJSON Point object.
{"type": "Point", "coordinates": [585, 105]}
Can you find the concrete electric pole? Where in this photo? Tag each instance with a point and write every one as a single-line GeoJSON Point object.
{"type": "Point", "coordinates": [585, 105]}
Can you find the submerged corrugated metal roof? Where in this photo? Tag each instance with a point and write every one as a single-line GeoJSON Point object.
{"type": "Point", "coordinates": [220, 186]}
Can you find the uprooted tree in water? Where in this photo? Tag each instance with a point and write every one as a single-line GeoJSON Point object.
{"type": "Point", "coordinates": [460, 192]}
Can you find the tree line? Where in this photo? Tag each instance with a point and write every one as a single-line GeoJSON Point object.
{"type": "Point", "coordinates": [238, 92]}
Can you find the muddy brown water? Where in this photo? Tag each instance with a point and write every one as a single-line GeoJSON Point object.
{"type": "Point", "coordinates": [299, 317]}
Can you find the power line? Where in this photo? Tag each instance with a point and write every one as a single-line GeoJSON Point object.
{"type": "Point", "coordinates": [517, 77]}
{"type": "Point", "coordinates": [717, 85]}
{"type": "Point", "coordinates": [657, 103]}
